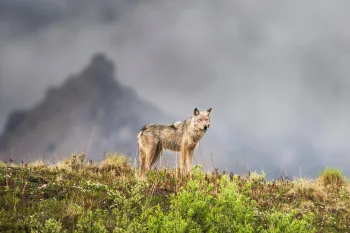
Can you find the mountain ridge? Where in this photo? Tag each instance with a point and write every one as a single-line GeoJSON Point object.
{"type": "Point", "coordinates": [90, 110]}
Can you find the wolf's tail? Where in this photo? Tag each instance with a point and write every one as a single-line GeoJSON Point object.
{"type": "Point", "coordinates": [139, 152]}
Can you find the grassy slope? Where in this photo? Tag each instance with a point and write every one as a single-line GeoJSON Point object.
{"type": "Point", "coordinates": [74, 195]}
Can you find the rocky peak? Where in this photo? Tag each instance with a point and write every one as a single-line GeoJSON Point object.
{"type": "Point", "coordinates": [100, 69]}
{"type": "Point", "coordinates": [90, 102]}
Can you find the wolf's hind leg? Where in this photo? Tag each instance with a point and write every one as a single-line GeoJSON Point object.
{"type": "Point", "coordinates": [150, 154]}
{"type": "Point", "coordinates": [142, 160]}
{"type": "Point", "coordinates": [157, 154]}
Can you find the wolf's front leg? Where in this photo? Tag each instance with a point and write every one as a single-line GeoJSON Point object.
{"type": "Point", "coordinates": [183, 160]}
{"type": "Point", "coordinates": [190, 154]}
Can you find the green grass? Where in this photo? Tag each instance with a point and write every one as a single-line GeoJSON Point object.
{"type": "Point", "coordinates": [333, 177]}
{"type": "Point", "coordinates": [79, 196]}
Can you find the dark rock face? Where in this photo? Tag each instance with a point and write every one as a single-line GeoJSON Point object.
{"type": "Point", "coordinates": [91, 112]}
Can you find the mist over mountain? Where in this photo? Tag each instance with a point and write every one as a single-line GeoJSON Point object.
{"type": "Point", "coordinates": [275, 73]}
{"type": "Point", "coordinates": [91, 112]}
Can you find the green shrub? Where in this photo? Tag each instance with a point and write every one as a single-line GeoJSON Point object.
{"type": "Point", "coordinates": [195, 209]}
{"type": "Point", "coordinates": [233, 211]}
{"type": "Point", "coordinates": [50, 225]}
{"type": "Point", "coordinates": [288, 223]}
{"type": "Point", "coordinates": [92, 221]}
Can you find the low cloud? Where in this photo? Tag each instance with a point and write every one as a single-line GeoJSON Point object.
{"type": "Point", "coordinates": [275, 74]}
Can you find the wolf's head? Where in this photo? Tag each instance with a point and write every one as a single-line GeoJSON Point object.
{"type": "Point", "coordinates": [201, 119]}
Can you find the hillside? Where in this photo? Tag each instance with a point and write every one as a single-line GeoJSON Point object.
{"type": "Point", "coordinates": [79, 196]}
{"type": "Point", "coordinates": [91, 112]}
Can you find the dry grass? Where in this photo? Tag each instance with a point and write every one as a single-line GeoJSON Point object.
{"type": "Point", "coordinates": [81, 183]}
{"type": "Point", "coordinates": [39, 163]}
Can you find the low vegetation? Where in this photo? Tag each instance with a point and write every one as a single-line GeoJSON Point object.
{"type": "Point", "coordinates": [76, 195]}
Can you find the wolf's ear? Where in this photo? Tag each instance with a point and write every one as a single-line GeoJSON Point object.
{"type": "Point", "coordinates": [195, 112]}
{"type": "Point", "coordinates": [208, 111]}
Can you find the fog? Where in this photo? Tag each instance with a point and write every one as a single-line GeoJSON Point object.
{"type": "Point", "coordinates": [275, 73]}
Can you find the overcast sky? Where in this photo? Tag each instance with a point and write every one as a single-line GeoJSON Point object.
{"type": "Point", "coordinates": [276, 73]}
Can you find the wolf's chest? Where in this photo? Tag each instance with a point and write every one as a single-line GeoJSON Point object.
{"type": "Point", "coordinates": [192, 139]}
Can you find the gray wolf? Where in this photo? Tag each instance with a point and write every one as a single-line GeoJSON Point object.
{"type": "Point", "coordinates": [182, 136]}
